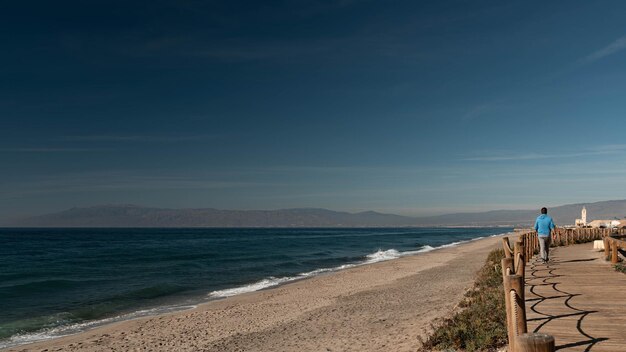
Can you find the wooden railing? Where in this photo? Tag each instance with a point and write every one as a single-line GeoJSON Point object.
{"type": "Point", "coordinates": [513, 276]}
{"type": "Point", "coordinates": [612, 245]}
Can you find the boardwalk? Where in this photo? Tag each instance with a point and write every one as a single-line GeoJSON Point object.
{"type": "Point", "coordinates": [579, 299]}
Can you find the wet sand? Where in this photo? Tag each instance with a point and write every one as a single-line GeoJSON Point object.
{"type": "Point", "coordinates": [376, 307]}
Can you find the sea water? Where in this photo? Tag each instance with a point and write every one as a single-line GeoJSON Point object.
{"type": "Point", "coordinates": [55, 282]}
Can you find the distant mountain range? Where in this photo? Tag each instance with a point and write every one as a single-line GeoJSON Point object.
{"type": "Point", "coordinates": [138, 216]}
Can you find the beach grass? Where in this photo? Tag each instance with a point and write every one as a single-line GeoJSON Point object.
{"type": "Point", "coordinates": [480, 324]}
{"type": "Point", "coordinates": [621, 267]}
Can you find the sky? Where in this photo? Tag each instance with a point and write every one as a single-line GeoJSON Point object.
{"type": "Point", "coordinates": [406, 107]}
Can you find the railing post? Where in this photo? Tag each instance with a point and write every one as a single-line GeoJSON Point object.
{"type": "Point", "coordinates": [529, 247]}
{"type": "Point", "coordinates": [507, 267]}
{"type": "Point", "coordinates": [582, 235]}
{"type": "Point", "coordinates": [536, 241]}
{"type": "Point", "coordinates": [506, 246]}
{"type": "Point", "coordinates": [607, 248]}
{"type": "Point", "coordinates": [516, 254]}
{"type": "Point", "coordinates": [614, 257]}
{"type": "Point", "coordinates": [535, 343]}
{"type": "Point", "coordinates": [569, 232]}
{"type": "Point", "coordinates": [521, 270]}
{"type": "Point", "coordinates": [516, 321]}
{"type": "Point", "coordinates": [517, 284]}
{"type": "Point", "coordinates": [507, 270]}
{"type": "Point", "coordinates": [526, 245]}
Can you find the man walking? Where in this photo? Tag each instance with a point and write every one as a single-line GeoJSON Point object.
{"type": "Point", "coordinates": [543, 225]}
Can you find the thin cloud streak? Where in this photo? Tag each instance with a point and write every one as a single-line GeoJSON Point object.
{"type": "Point", "coordinates": [52, 150]}
{"type": "Point", "coordinates": [118, 181]}
{"type": "Point", "coordinates": [133, 138]}
{"type": "Point", "coordinates": [616, 46]}
{"type": "Point", "coordinates": [600, 150]}
{"type": "Point", "coordinates": [483, 109]}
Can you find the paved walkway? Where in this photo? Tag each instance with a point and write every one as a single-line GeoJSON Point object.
{"type": "Point", "coordinates": [579, 299]}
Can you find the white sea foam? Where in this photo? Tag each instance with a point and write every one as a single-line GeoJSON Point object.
{"type": "Point", "coordinates": [382, 255]}
{"type": "Point", "coordinates": [66, 330]}
{"type": "Point", "coordinates": [259, 285]}
{"type": "Point", "coordinates": [453, 244]}
{"type": "Point", "coordinates": [378, 256]}
{"type": "Point", "coordinates": [424, 249]}
{"type": "Point", "coordinates": [274, 281]}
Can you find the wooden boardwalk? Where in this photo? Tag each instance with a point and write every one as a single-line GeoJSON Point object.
{"type": "Point", "coordinates": [578, 298]}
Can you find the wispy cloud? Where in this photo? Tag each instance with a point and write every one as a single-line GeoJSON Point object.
{"type": "Point", "coordinates": [598, 150]}
{"type": "Point", "coordinates": [51, 150]}
{"type": "Point", "coordinates": [280, 50]}
{"type": "Point", "coordinates": [609, 148]}
{"type": "Point", "coordinates": [483, 109]}
{"type": "Point", "coordinates": [133, 138]}
{"type": "Point", "coordinates": [510, 157]}
{"type": "Point", "coordinates": [76, 140]}
{"type": "Point", "coordinates": [614, 47]}
{"type": "Point", "coordinates": [118, 181]}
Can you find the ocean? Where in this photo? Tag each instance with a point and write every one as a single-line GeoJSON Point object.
{"type": "Point", "coordinates": [55, 282]}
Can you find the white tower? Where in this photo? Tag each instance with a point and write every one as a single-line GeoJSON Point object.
{"type": "Point", "coordinates": [583, 216]}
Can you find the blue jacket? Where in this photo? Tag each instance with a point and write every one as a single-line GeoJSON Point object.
{"type": "Point", "coordinates": [543, 225]}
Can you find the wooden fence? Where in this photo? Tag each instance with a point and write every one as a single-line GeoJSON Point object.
{"type": "Point", "coordinates": [513, 276]}
{"type": "Point", "coordinates": [612, 245]}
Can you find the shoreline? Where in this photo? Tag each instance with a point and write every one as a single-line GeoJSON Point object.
{"type": "Point", "coordinates": [222, 322]}
{"type": "Point", "coordinates": [176, 306]}
{"type": "Point", "coordinates": [373, 258]}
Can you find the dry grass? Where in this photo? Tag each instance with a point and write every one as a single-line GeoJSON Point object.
{"type": "Point", "coordinates": [481, 323]}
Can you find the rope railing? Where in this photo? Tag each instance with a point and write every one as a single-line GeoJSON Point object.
{"type": "Point", "coordinates": [513, 276]}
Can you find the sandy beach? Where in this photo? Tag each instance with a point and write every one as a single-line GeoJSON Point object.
{"type": "Point", "coordinates": [386, 305]}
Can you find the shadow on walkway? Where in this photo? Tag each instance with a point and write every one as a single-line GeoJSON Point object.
{"type": "Point", "coordinates": [545, 277]}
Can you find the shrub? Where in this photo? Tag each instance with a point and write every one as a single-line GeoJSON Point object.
{"type": "Point", "coordinates": [481, 323]}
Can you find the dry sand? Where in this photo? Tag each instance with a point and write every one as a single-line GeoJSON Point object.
{"type": "Point", "coordinates": [376, 307]}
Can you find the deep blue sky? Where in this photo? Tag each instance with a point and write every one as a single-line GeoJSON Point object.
{"type": "Point", "coordinates": [409, 107]}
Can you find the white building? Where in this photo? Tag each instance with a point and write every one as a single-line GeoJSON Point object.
{"type": "Point", "coordinates": [604, 223]}
{"type": "Point", "coordinates": [582, 222]}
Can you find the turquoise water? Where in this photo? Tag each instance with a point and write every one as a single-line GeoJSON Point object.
{"type": "Point", "coordinates": [59, 281]}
